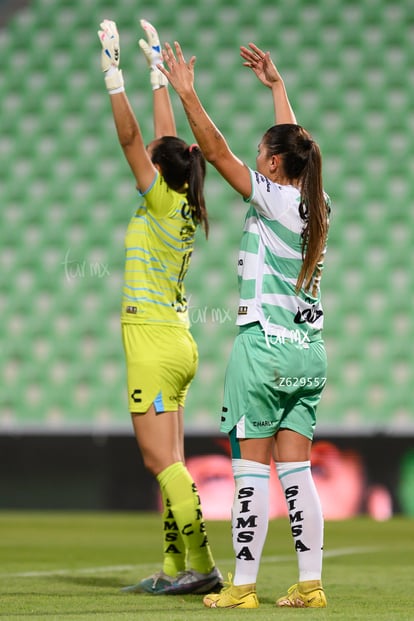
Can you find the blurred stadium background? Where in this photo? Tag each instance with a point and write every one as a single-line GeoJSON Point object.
{"type": "Point", "coordinates": [67, 195]}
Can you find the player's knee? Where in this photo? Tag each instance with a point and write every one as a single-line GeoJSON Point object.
{"type": "Point", "coordinates": [155, 464]}
{"type": "Point", "coordinates": [152, 463]}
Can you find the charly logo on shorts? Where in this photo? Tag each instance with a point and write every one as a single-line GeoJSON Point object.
{"type": "Point", "coordinates": [134, 395]}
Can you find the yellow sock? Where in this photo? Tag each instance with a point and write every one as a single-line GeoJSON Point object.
{"type": "Point", "coordinates": [173, 545]}
{"type": "Point", "coordinates": [178, 486]}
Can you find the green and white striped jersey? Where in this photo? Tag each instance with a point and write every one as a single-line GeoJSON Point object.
{"type": "Point", "coordinates": [269, 263]}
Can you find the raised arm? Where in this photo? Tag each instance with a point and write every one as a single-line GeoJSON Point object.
{"type": "Point", "coordinates": [127, 126]}
{"type": "Point", "coordinates": [164, 122]}
{"type": "Point", "coordinates": [265, 70]}
{"type": "Point", "coordinates": [210, 140]}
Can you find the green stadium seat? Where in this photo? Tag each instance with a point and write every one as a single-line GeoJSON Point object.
{"type": "Point", "coordinates": [67, 196]}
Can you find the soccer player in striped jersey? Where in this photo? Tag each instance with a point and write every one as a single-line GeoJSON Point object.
{"type": "Point", "coordinates": [277, 368]}
{"type": "Point", "coordinates": [161, 355]}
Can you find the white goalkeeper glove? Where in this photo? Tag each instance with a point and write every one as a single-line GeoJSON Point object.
{"type": "Point", "coordinates": [109, 38]}
{"type": "Point", "coordinates": [152, 51]}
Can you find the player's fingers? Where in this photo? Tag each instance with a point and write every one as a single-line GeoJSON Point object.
{"type": "Point", "coordinates": [251, 60]}
{"type": "Point", "coordinates": [256, 50]}
{"type": "Point", "coordinates": [164, 57]}
{"type": "Point", "coordinates": [244, 53]}
{"type": "Point", "coordinates": [250, 56]}
{"type": "Point", "coordinates": [179, 52]}
{"type": "Point", "coordinates": [167, 56]}
{"type": "Point", "coordinates": [267, 60]}
{"type": "Point", "coordinates": [168, 53]}
{"type": "Point", "coordinates": [162, 69]}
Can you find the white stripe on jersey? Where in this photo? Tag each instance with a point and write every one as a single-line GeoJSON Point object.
{"type": "Point", "coordinates": [246, 266]}
{"type": "Point", "coordinates": [266, 262]}
{"type": "Point", "coordinates": [255, 225]}
{"type": "Point", "coordinates": [268, 269]}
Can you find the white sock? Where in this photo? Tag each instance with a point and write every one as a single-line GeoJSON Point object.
{"type": "Point", "coordinates": [250, 517]}
{"type": "Point", "coordinates": [305, 513]}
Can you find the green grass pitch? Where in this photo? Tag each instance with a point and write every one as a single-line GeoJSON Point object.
{"type": "Point", "coordinates": [71, 566]}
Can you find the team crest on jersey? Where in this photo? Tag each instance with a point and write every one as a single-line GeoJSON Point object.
{"type": "Point", "coordinates": [132, 310]}
{"type": "Point", "coordinates": [242, 310]}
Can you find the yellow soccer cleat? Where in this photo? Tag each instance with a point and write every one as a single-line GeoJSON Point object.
{"type": "Point", "coordinates": [243, 596]}
{"type": "Point", "coordinates": [309, 594]}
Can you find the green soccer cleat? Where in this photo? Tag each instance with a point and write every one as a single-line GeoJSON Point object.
{"type": "Point", "coordinates": [309, 594]}
{"type": "Point", "coordinates": [155, 584]}
{"type": "Point", "coordinates": [189, 581]}
{"type": "Point", "coordinates": [232, 596]}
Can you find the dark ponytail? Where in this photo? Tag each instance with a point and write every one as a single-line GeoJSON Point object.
{"type": "Point", "coordinates": [184, 168]}
{"type": "Point", "coordinates": [195, 191]}
{"type": "Point", "coordinates": [302, 162]}
{"type": "Point", "coordinates": [314, 211]}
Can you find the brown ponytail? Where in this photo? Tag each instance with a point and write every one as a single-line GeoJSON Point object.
{"type": "Point", "coordinates": [314, 211]}
{"type": "Point", "coordinates": [195, 191]}
{"type": "Point", "coordinates": [184, 166]}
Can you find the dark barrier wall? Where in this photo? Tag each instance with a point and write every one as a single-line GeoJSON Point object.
{"type": "Point", "coordinates": [372, 475]}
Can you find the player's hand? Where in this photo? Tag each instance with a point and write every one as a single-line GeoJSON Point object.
{"type": "Point", "coordinates": [180, 74]}
{"type": "Point", "coordinates": [152, 52]}
{"type": "Point", "coordinates": [110, 56]}
{"type": "Point", "coordinates": [109, 38]}
{"type": "Point", "coordinates": [261, 64]}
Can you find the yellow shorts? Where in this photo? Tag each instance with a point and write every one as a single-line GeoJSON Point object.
{"type": "Point", "coordinates": [161, 361]}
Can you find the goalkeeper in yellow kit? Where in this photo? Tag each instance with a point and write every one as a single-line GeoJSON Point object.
{"type": "Point", "coordinates": [161, 355]}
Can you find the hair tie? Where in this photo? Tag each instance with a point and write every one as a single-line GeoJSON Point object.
{"type": "Point", "coordinates": [193, 146]}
